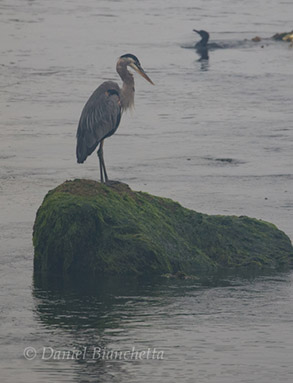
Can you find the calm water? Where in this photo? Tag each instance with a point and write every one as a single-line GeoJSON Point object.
{"type": "Point", "coordinates": [215, 136]}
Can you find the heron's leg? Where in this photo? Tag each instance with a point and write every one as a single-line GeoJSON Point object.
{"type": "Point", "coordinates": [102, 163]}
{"type": "Point", "coordinates": [100, 155]}
{"type": "Point", "coordinates": [105, 172]}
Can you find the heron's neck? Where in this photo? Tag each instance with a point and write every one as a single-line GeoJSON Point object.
{"type": "Point", "coordinates": [127, 91]}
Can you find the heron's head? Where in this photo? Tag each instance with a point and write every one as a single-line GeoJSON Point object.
{"type": "Point", "coordinates": [132, 61]}
{"type": "Point", "coordinates": [204, 34]}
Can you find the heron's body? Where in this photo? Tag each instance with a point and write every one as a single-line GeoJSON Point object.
{"type": "Point", "coordinates": [101, 114]}
{"type": "Point", "coordinates": [99, 119]}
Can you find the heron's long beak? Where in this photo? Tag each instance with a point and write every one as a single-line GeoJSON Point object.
{"type": "Point", "coordinates": [139, 70]}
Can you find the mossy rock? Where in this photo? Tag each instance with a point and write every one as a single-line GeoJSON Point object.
{"type": "Point", "coordinates": [87, 227]}
{"type": "Point", "coordinates": [282, 36]}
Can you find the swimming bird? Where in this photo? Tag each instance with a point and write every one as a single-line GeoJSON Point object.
{"type": "Point", "coordinates": [202, 47]}
{"type": "Point", "coordinates": [101, 114]}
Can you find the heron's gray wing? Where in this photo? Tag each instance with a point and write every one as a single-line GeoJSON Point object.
{"type": "Point", "coordinates": [99, 119]}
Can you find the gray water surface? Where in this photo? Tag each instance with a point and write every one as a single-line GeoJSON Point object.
{"type": "Point", "coordinates": [215, 136]}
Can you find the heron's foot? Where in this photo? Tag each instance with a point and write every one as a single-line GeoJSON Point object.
{"type": "Point", "coordinates": [112, 182]}
{"type": "Point", "coordinates": [118, 186]}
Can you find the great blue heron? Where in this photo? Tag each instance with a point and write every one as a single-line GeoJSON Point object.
{"type": "Point", "coordinates": [101, 114]}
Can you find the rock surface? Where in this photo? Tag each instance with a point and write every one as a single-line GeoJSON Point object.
{"type": "Point", "coordinates": [87, 227]}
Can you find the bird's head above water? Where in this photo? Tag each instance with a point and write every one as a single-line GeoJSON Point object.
{"type": "Point", "coordinates": [133, 62]}
{"type": "Point", "coordinates": [203, 34]}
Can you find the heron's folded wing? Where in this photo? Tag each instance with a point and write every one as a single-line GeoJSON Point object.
{"type": "Point", "coordinates": [99, 119]}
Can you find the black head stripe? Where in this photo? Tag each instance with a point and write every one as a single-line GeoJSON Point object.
{"type": "Point", "coordinates": [131, 56]}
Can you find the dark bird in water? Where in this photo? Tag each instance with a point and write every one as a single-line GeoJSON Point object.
{"type": "Point", "coordinates": [204, 38]}
{"type": "Point", "coordinates": [101, 114]}
{"type": "Point", "coordinates": [202, 47]}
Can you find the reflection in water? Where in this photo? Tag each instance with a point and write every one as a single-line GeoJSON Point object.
{"type": "Point", "coordinates": [118, 315]}
{"type": "Point", "coordinates": [92, 318]}
{"type": "Point", "coordinates": [100, 304]}
{"type": "Point", "coordinates": [204, 64]}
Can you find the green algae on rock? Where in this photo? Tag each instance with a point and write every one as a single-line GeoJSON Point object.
{"type": "Point", "coordinates": [87, 227]}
